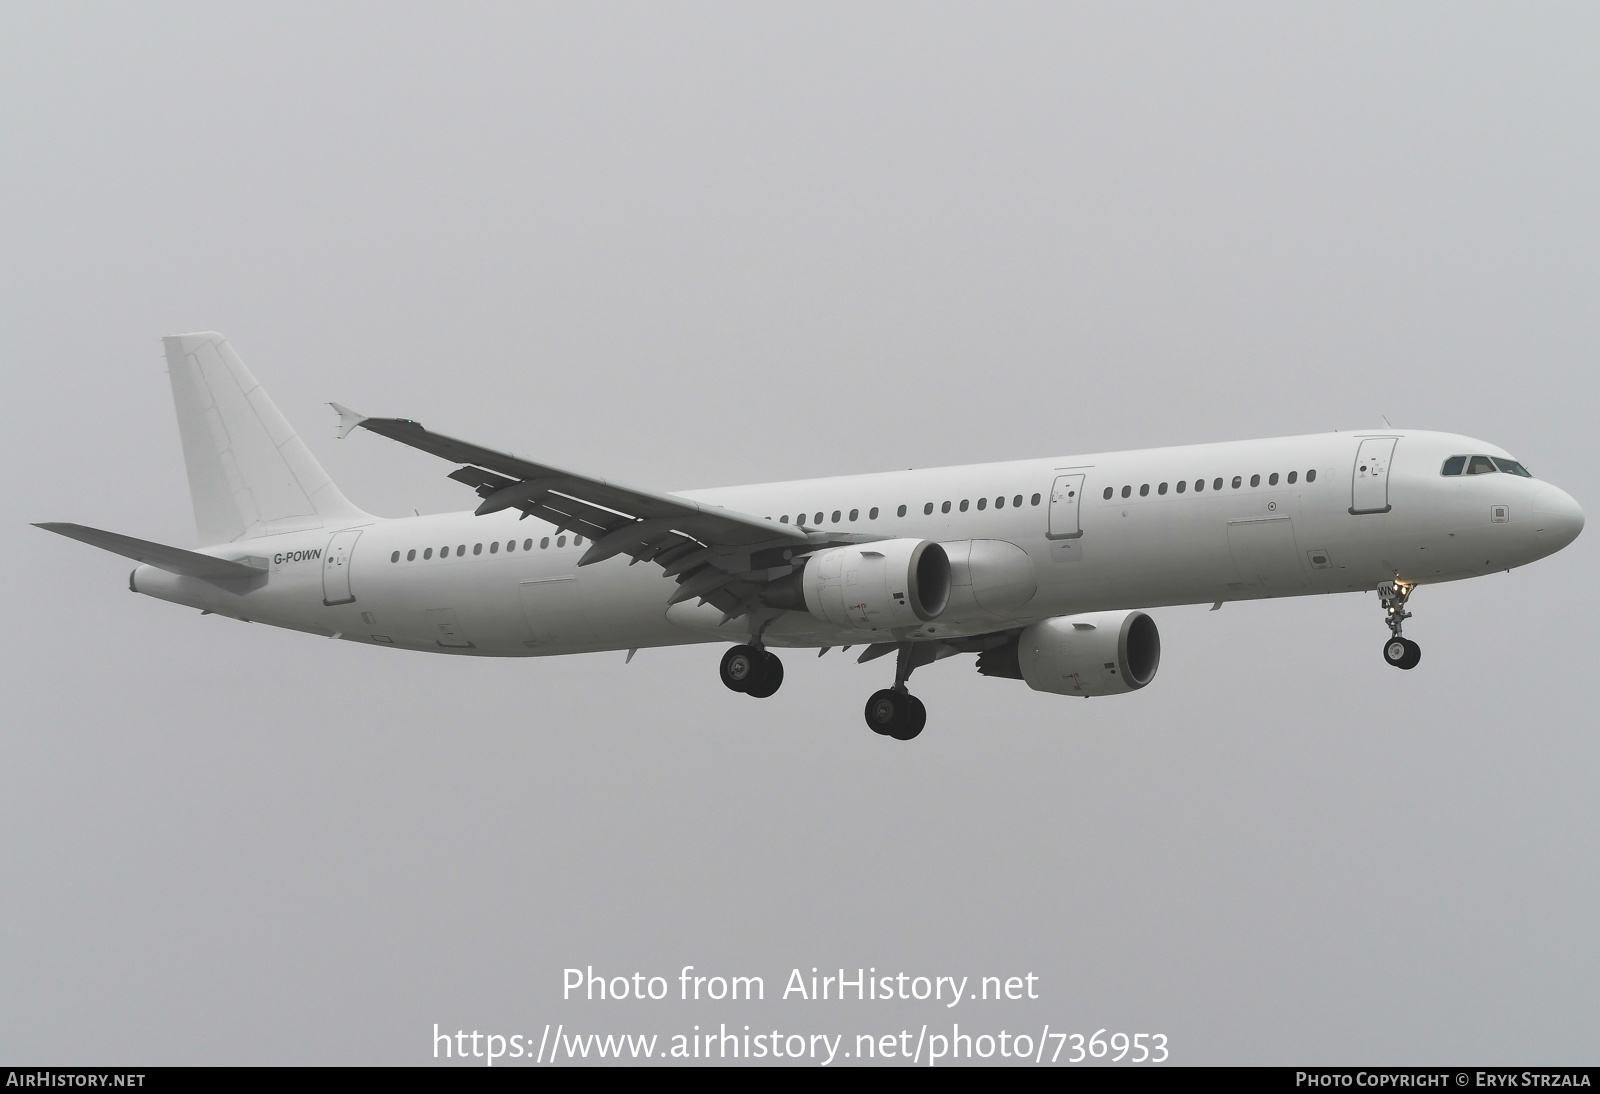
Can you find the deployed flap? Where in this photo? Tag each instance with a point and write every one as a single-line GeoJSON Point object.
{"type": "Point", "coordinates": [589, 505]}
{"type": "Point", "coordinates": [249, 472]}
{"type": "Point", "coordinates": [174, 560]}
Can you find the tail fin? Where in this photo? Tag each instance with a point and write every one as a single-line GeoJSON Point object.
{"type": "Point", "coordinates": [250, 474]}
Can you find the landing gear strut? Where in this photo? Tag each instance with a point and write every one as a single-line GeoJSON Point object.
{"type": "Point", "coordinates": [753, 671]}
{"type": "Point", "coordinates": [895, 712]}
{"type": "Point", "coordinates": [1400, 652]}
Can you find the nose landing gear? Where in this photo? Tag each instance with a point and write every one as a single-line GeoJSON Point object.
{"type": "Point", "coordinates": [1400, 652]}
{"type": "Point", "coordinates": [753, 671]}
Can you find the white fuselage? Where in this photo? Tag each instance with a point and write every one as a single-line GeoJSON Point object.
{"type": "Point", "coordinates": [500, 586]}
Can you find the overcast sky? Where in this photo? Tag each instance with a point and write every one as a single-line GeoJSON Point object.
{"type": "Point", "coordinates": [693, 245]}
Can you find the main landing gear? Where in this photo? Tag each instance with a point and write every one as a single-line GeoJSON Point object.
{"type": "Point", "coordinates": [1400, 652]}
{"type": "Point", "coordinates": [753, 671]}
{"type": "Point", "coordinates": [895, 712]}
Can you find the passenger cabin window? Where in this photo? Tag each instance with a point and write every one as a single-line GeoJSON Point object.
{"type": "Point", "coordinates": [428, 553]}
{"type": "Point", "coordinates": [927, 510]}
{"type": "Point", "coordinates": [963, 505]}
{"type": "Point", "coordinates": [945, 508]}
{"type": "Point", "coordinates": [818, 519]}
{"type": "Point", "coordinates": [1512, 467]}
{"type": "Point", "coordinates": [527, 545]}
{"type": "Point", "coordinates": [544, 544]}
{"type": "Point", "coordinates": [1035, 500]}
{"type": "Point", "coordinates": [1292, 476]}
{"type": "Point", "coordinates": [1272, 479]}
{"type": "Point", "coordinates": [1255, 480]}
{"type": "Point", "coordinates": [1108, 493]}
{"type": "Point", "coordinates": [1162, 489]}
{"type": "Point", "coordinates": [1183, 484]}
{"type": "Point", "coordinates": [872, 514]}
{"type": "Point", "coordinates": [1237, 482]}
{"type": "Point", "coordinates": [1144, 491]}
{"type": "Point", "coordinates": [411, 555]}
{"type": "Point", "coordinates": [1311, 476]}
{"type": "Point", "coordinates": [900, 512]}
{"type": "Point", "coordinates": [494, 548]}
{"type": "Point", "coordinates": [395, 557]}
{"type": "Point", "coordinates": [1199, 485]}
{"type": "Point", "coordinates": [983, 503]}
{"type": "Point", "coordinates": [1216, 484]}
{"type": "Point", "coordinates": [836, 516]}
{"type": "Point", "coordinates": [855, 515]}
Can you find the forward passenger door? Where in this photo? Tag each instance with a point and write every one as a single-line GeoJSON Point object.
{"type": "Point", "coordinates": [1369, 478]}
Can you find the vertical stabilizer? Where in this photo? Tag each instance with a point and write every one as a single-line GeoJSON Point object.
{"type": "Point", "coordinates": [250, 474]}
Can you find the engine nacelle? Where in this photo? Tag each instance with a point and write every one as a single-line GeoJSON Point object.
{"type": "Point", "coordinates": [1105, 654]}
{"type": "Point", "coordinates": [868, 586]}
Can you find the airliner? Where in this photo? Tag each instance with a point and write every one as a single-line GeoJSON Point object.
{"type": "Point", "coordinates": [1045, 569]}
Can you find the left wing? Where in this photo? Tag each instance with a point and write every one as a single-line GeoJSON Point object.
{"type": "Point", "coordinates": [718, 555]}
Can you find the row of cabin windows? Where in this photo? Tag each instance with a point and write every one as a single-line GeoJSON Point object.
{"type": "Point", "coordinates": [1482, 465]}
{"type": "Point", "coordinates": [1216, 484]}
{"type": "Point", "coordinates": [927, 510]}
{"type": "Point", "coordinates": [477, 548]}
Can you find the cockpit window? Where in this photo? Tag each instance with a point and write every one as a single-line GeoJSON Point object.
{"type": "Point", "coordinates": [1454, 465]}
{"type": "Point", "coordinates": [1512, 467]}
{"type": "Point", "coordinates": [1480, 465]}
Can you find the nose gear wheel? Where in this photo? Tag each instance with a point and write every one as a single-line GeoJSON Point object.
{"type": "Point", "coordinates": [1400, 652]}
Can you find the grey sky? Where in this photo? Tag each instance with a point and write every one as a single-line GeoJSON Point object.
{"type": "Point", "coordinates": [693, 245]}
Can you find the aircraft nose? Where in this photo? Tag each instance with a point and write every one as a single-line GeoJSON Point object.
{"type": "Point", "coordinates": [1557, 517]}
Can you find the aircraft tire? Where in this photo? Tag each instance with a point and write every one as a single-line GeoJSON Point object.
{"type": "Point", "coordinates": [1402, 653]}
{"type": "Point", "coordinates": [741, 666]}
{"type": "Point", "coordinates": [768, 680]}
{"type": "Point", "coordinates": [884, 711]}
{"type": "Point", "coordinates": [916, 718]}
{"type": "Point", "coordinates": [896, 714]}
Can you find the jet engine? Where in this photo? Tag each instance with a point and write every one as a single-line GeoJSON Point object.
{"type": "Point", "coordinates": [1105, 654]}
{"type": "Point", "coordinates": [868, 586]}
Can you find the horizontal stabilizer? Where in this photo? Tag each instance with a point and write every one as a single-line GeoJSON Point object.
{"type": "Point", "coordinates": [174, 560]}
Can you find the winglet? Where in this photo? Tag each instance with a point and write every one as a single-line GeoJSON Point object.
{"type": "Point", "coordinates": [348, 419]}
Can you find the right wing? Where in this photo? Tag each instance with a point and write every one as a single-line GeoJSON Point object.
{"type": "Point", "coordinates": [717, 555]}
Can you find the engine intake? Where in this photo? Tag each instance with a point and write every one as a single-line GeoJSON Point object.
{"type": "Point", "coordinates": [1105, 654]}
{"type": "Point", "coordinates": [869, 586]}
